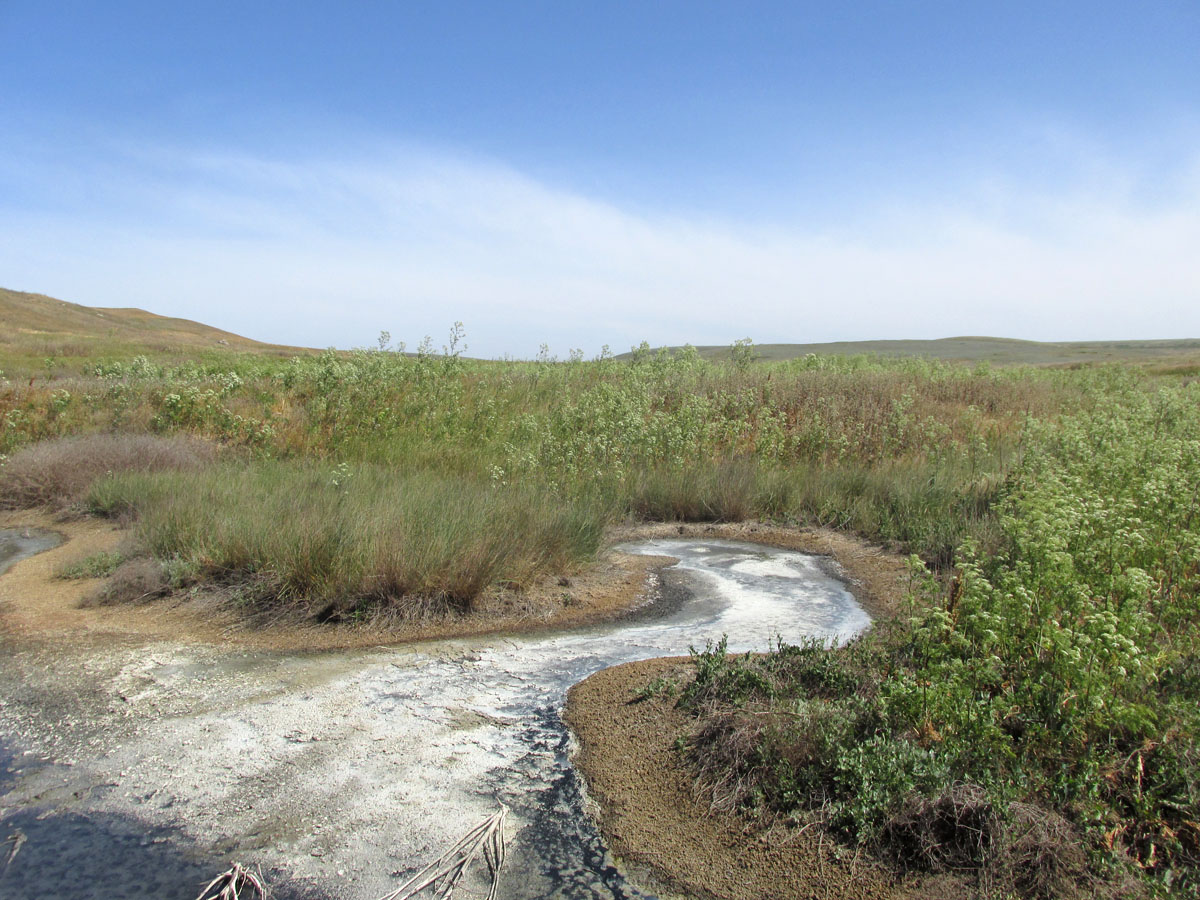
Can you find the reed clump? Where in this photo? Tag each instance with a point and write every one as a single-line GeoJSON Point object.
{"type": "Point", "coordinates": [339, 541]}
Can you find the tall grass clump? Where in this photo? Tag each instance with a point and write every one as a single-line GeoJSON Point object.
{"type": "Point", "coordinates": [722, 491]}
{"type": "Point", "coordinates": [335, 541]}
{"type": "Point", "coordinates": [58, 473]}
{"type": "Point", "coordinates": [929, 507]}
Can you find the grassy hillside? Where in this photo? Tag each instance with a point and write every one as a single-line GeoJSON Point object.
{"type": "Point", "coordinates": [35, 328]}
{"type": "Point", "coordinates": [998, 351]}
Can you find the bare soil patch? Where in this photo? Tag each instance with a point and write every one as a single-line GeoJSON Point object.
{"type": "Point", "coordinates": [34, 603]}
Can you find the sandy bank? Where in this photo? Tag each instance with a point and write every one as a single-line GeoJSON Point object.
{"type": "Point", "coordinates": [656, 826]}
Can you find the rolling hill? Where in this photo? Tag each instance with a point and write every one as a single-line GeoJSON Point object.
{"type": "Point", "coordinates": [998, 351]}
{"type": "Point", "coordinates": [40, 324]}
{"type": "Point", "coordinates": [34, 326]}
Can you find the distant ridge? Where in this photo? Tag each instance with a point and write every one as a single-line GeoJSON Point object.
{"type": "Point", "coordinates": [28, 319]}
{"type": "Point", "coordinates": [38, 325]}
{"type": "Point", "coordinates": [999, 351]}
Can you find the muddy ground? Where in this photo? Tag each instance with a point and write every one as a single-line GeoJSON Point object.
{"type": "Point", "coordinates": [108, 710]}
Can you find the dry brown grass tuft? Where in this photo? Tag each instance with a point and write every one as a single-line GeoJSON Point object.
{"type": "Point", "coordinates": [135, 581]}
{"type": "Point", "coordinates": [1029, 851]}
{"type": "Point", "coordinates": [959, 829]}
{"type": "Point", "coordinates": [725, 751]}
{"type": "Point", "coordinates": [58, 473]}
{"type": "Point", "coordinates": [1044, 857]}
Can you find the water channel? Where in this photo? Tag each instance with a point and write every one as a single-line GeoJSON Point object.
{"type": "Point", "coordinates": [340, 772]}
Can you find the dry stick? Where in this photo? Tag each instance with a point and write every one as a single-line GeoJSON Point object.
{"type": "Point", "coordinates": [17, 839]}
{"type": "Point", "coordinates": [493, 848]}
{"type": "Point", "coordinates": [487, 836]}
{"type": "Point", "coordinates": [498, 850]}
{"type": "Point", "coordinates": [230, 882]}
{"type": "Point", "coordinates": [435, 869]}
{"type": "Point", "coordinates": [487, 833]}
{"type": "Point", "coordinates": [462, 853]}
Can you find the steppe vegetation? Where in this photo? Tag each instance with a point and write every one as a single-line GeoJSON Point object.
{"type": "Point", "coordinates": [431, 477]}
{"type": "Point", "coordinates": [1169, 355]}
{"type": "Point", "coordinates": [1031, 717]}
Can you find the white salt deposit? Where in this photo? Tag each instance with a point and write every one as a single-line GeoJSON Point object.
{"type": "Point", "coordinates": [371, 763]}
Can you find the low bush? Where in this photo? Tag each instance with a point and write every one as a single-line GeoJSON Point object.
{"type": "Point", "coordinates": [136, 580]}
{"type": "Point", "coordinates": [98, 565]}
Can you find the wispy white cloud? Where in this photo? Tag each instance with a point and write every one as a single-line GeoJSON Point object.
{"type": "Point", "coordinates": [328, 252]}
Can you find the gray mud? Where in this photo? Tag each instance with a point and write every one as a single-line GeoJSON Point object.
{"type": "Point", "coordinates": [338, 773]}
{"type": "Point", "coordinates": [17, 544]}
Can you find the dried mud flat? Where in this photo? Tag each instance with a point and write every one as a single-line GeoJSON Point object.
{"type": "Point", "coordinates": [142, 748]}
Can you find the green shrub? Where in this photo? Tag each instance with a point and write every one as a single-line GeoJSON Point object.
{"type": "Point", "coordinates": [98, 565]}
{"type": "Point", "coordinates": [1058, 675]}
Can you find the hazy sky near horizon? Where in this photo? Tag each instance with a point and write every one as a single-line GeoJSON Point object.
{"type": "Point", "coordinates": [606, 173]}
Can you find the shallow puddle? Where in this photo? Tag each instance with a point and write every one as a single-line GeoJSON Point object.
{"type": "Point", "coordinates": [17, 544]}
{"type": "Point", "coordinates": [347, 770]}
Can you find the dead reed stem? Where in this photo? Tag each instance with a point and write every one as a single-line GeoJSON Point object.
{"type": "Point", "coordinates": [229, 885]}
{"type": "Point", "coordinates": [445, 872]}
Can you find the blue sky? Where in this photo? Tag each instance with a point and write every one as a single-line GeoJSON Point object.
{"type": "Point", "coordinates": [589, 174]}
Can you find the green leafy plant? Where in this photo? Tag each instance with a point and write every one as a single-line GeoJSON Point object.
{"type": "Point", "coordinates": [98, 565]}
